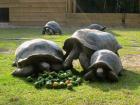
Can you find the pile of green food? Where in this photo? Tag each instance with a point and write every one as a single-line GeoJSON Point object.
{"type": "Point", "coordinates": [53, 80]}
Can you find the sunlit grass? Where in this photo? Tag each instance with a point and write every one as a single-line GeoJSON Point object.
{"type": "Point", "coordinates": [15, 91]}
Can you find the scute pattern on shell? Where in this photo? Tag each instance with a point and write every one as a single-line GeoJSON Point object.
{"type": "Point", "coordinates": [96, 40]}
{"type": "Point", "coordinates": [54, 26]}
{"type": "Point", "coordinates": [108, 58]}
{"type": "Point", "coordinates": [38, 47]}
{"type": "Point", "coordinates": [97, 27]}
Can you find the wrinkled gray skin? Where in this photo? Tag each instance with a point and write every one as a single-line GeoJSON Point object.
{"type": "Point", "coordinates": [83, 43]}
{"type": "Point", "coordinates": [36, 56]}
{"type": "Point", "coordinates": [97, 27]}
{"type": "Point", "coordinates": [104, 65]}
{"type": "Point", "coordinates": [52, 28]}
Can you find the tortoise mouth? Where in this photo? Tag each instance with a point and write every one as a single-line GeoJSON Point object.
{"type": "Point", "coordinates": [35, 59]}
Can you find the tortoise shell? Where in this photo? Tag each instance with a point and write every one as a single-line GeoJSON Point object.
{"type": "Point", "coordinates": [92, 39]}
{"type": "Point", "coordinates": [106, 59]}
{"type": "Point", "coordinates": [37, 50]}
{"type": "Point", "coordinates": [97, 27]}
{"type": "Point", "coordinates": [54, 26]}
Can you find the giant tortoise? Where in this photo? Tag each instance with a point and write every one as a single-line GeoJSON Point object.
{"type": "Point", "coordinates": [97, 27]}
{"type": "Point", "coordinates": [37, 55]}
{"type": "Point", "coordinates": [84, 42]}
{"type": "Point", "coordinates": [52, 28]}
{"type": "Point", "coordinates": [104, 65]}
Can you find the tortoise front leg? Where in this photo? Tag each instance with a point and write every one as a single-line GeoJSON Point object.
{"type": "Point", "coordinates": [74, 54]}
{"type": "Point", "coordinates": [23, 72]}
{"type": "Point", "coordinates": [90, 76]}
{"type": "Point", "coordinates": [52, 32]}
{"type": "Point", "coordinates": [44, 66]}
{"type": "Point", "coordinates": [84, 61]}
{"type": "Point", "coordinates": [112, 77]}
{"type": "Point", "coordinates": [14, 64]}
{"type": "Point", "coordinates": [57, 67]}
{"type": "Point", "coordinates": [60, 32]}
{"type": "Point", "coordinates": [118, 54]}
{"type": "Point", "coordinates": [66, 55]}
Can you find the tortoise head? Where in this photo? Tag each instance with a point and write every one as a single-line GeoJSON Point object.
{"type": "Point", "coordinates": [44, 30]}
{"type": "Point", "coordinates": [71, 43]}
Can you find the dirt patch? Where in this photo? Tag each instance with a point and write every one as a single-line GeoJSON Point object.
{"type": "Point", "coordinates": [5, 51]}
{"type": "Point", "coordinates": [131, 61]}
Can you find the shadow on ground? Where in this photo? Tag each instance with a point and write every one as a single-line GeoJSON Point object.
{"type": "Point", "coordinates": [129, 80]}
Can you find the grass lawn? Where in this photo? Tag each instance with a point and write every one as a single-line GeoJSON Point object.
{"type": "Point", "coordinates": [15, 91]}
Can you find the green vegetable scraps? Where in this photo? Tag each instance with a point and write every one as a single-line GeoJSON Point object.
{"type": "Point", "coordinates": [53, 80]}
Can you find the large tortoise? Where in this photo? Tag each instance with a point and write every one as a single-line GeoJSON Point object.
{"type": "Point", "coordinates": [52, 28]}
{"type": "Point", "coordinates": [84, 42]}
{"type": "Point", "coordinates": [104, 65]}
{"type": "Point", "coordinates": [37, 55]}
{"type": "Point", "coordinates": [97, 27]}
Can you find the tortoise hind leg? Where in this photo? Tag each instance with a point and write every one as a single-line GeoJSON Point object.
{"type": "Point", "coordinates": [23, 72]}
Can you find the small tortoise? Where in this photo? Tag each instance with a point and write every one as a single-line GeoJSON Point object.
{"type": "Point", "coordinates": [104, 65]}
{"type": "Point", "coordinates": [84, 42]}
{"type": "Point", "coordinates": [97, 27]}
{"type": "Point", "coordinates": [52, 28]}
{"type": "Point", "coordinates": [37, 55]}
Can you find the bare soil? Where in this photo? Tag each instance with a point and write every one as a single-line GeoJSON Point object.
{"type": "Point", "coordinates": [131, 61]}
{"type": "Point", "coordinates": [5, 51]}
